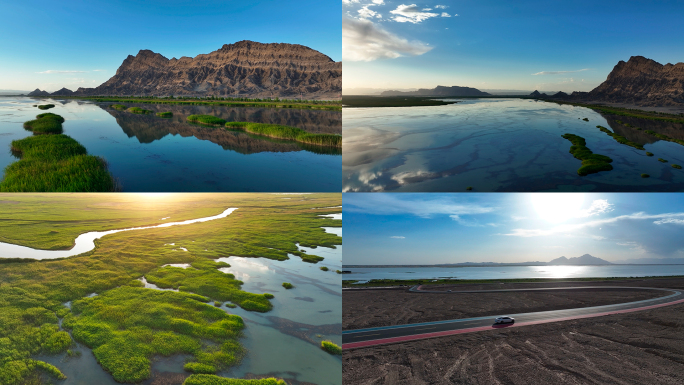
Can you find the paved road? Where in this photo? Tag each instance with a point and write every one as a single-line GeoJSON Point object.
{"type": "Point", "coordinates": [359, 338]}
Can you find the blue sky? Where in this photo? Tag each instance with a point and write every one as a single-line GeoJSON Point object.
{"type": "Point", "coordinates": [501, 44]}
{"type": "Point", "coordinates": [76, 43]}
{"type": "Point", "coordinates": [403, 228]}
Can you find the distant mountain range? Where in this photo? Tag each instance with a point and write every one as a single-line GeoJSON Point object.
{"type": "Point", "coordinates": [243, 69]}
{"type": "Point", "coordinates": [439, 91]}
{"type": "Point", "coordinates": [583, 260]}
{"type": "Point", "coordinates": [638, 81]}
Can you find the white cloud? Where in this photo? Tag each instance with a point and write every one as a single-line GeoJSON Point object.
{"type": "Point", "coordinates": [99, 70]}
{"type": "Point", "coordinates": [568, 229]}
{"type": "Point", "coordinates": [672, 221]}
{"type": "Point", "coordinates": [424, 207]}
{"type": "Point", "coordinates": [599, 206]}
{"type": "Point", "coordinates": [60, 72]}
{"type": "Point", "coordinates": [366, 13]}
{"type": "Point", "coordinates": [411, 14]}
{"type": "Point", "coordinates": [398, 237]}
{"type": "Point", "coordinates": [441, 6]}
{"type": "Point", "coordinates": [349, 1]}
{"type": "Point", "coordinates": [558, 72]}
{"type": "Point", "coordinates": [362, 40]}
{"type": "Point", "coordinates": [444, 14]}
{"type": "Point", "coordinates": [379, 2]}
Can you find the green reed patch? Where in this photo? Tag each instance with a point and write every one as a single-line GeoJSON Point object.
{"type": "Point", "coordinates": [138, 110]}
{"type": "Point", "coordinates": [324, 268]}
{"type": "Point", "coordinates": [128, 325]}
{"type": "Point", "coordinates": [620, 138]}
{"type": "Point", "coordinates": [288, 285]}
{"type": "Point", "coordinates": [591, 163]}
{"type": "Point", "coordinates": [46, 106]}
{"type": "Point", "coordinates": [287, 133]}
{"type": "Point", "coordinates": [208, 379]}
{"type": "Point", "coordinates": [55, 163]}
{"type": "Point", "coordinates": [167, 114]}
{"type": "Point", "coordinates": [662, 160]}
{"type": "Point", "coordinates": [119, 107]}
{"type": "Point", "coordinates": [331, 347]}
{"type": "Point", "coordinates": [676, 166]}
{"type": "Point", "coordinates": [664, 137]}
{"type": "Point", "coordinates": [649, 153]}
{"type": "Point", "coordinates": [205, 279]}
{"type": "Point", "coordinates": [207, 119]}
{"type": "Point", "coordinates": [645, 175]}
{"type": "Point", "coordinates": [47, 123]}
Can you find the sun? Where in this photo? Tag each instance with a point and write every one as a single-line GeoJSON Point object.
{"type": "Point", "coordinates": [557, 207]}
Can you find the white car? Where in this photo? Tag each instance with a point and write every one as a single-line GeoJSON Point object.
{"type": "Point", "coordinates": [503, 320]}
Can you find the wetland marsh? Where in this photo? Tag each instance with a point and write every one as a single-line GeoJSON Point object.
{"type": "Point", "coordinates": [100, 316]}
{"type": "Point", "coordinates": [507, 145]}
{"type": "Point", "coordinates": [149, 153]}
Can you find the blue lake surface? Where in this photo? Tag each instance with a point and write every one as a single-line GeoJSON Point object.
{"type": "Point", "coordinates": [509, 272]}
{"type": "Point", "coordinates": [500, 145]}
{"type": "Point", "coordinates": [147, 153]}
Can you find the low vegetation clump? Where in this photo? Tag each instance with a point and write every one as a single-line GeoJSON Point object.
{"type": "Point", "coordinates": [167, 114]}
{"type": "Point", "coordinates": [645, 175]}
{"type": "Point", "coordinates": [338, 271]}
{"type": "Point", "coordinates": [662, 160]}
{"type": "Point", "coordinates": [288, 133]}
{"type": "Point", "coordinates": [205, 279]}
{"type": "Point", "coordinates": [676, 166]}
{"type": "Point", "coordinates": [591, 163]}
{"type": "Point", "coordinates": [46, 106]}
{"type": "Point", "coordinates": [138, 110]}
{"type": "Point", "coordinates": [208, 379]}
{"type": "Point", "coordinates": [129, 325]}
{"type": "Point", "coordinates": [586, 119]}
{"type": "Point", "coordinates": [664, 137]}
{"type": "Point", "coordinates": [47, 123]}
{"type": "Point", "coordinates": [620, 138]}
{"type": "Point", "coordinates": [207, 119]}
{"type": "Point", "coordinates": [55, 163]}
{"type": "Point", "coordinates": [649, 153]}
{"type": "Point", "coordinates": [288, 285]}
{"type": "Point", "coordinates": [469, 188]}
{"type": "Point", "coordinates": [324, 268]}
{"type": "Point", "coordinates": [119, 107]}
{"type": "Point", "coordinates": [331, 347]}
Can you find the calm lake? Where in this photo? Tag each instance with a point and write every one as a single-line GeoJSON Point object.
{"type": "Point", "coordinates": [500, 145]}
{"type": "Point", "coordinates": [147, 153]}
{"type": "Point", "coordinates": [509, 272]}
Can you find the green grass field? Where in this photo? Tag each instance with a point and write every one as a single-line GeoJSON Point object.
{"type": "Point", "coordinates": [126, 324]}
{"type": "Point", "coordinates": [391, 101]}
{"type": "Point", "coordinates": [47, 123]}
{"type": "Point", "coordinates": [287, 133]}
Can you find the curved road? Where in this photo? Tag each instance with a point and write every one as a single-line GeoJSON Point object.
{"type": "Point", "coordinates": [360, 338]}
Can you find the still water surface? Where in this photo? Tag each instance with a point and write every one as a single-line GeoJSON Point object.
{"type": "Point", "coordinates": [500, 145]}
{"type": "Point", "coordinates": [508, 272]}
{"type": "Point", "coordinates": [147, 153]}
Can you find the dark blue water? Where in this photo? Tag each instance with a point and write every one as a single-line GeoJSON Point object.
{"type": "Point", "coordinates": [151, 154]}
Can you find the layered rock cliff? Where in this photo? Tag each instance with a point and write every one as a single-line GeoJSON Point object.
{"type": "Point", "coordinates": [243, 69]}
{"type": "Point", "coordinates": [439, 91]}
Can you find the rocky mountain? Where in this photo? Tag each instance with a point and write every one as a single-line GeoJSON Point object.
{"type": "Point", "coordinates": [38, 92]}
{"type": "Point", "coordinates": [439, 91]}
{"type": "Point", "coordinates": [243, 69]}
{"type": "Point", "coordinates": [63, 92]}
{"type": "Point", "coordinates": [640, 81]}
{"type": "Point", "coordinates": [586, 259]}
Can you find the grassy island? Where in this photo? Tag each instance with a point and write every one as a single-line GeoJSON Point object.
{"type": "Point", "coordinates": [138, 110]}
{"type": "Point", "coordinates": [119, 107]}
{"type": "Point", "coordinates": [331, 347]}
{"type": "Point", "coordinates": [286, 132]}
{"type": "Point", "coordinates": [620, 138]}
{"type": "Point", "coordinates": [208, 379]}
{"type": "Point", "coordinates": [167, 114]}
{"type": "Point", "coordinates": [47, 123]}
{"type": "Point", "coordinates": [591, 163]}
{"type": "Point", "coordinates": [288, 285]}
{"type": "Point", "coordinates": [46, 106]}
{"type": "Point", "coordinates": [207, 119]}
